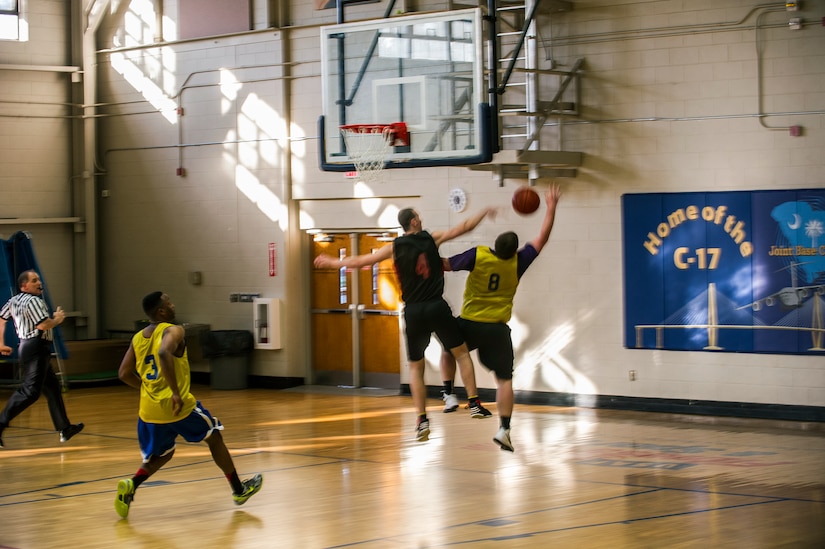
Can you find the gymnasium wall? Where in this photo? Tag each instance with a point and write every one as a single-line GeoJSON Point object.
{"type": "Point", "coordinates": [35, 137]}
{"type": "Point", "coordinates": [674, 98]}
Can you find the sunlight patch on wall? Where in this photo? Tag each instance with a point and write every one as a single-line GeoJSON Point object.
{"type": "Point", "coordinates": [148, 72]}
{"type": "Point", "coordinates": [268, 120]}
{"type": "Point", "coordinates": [138, 24]}
{"type": "Point", "coordinates": [170, 28]}
{"type": "Point", "coordinates": [229, 89]}
{"type": "Point", "coordinates": [269, 204]}
{"type": "Point", "coordinates": [305, 220]}
{"type": "Point", "coordinates": [545, 367]}
{"type": "Point", "coordinates": [298, 149]}
{"type": "Point", "coordinates": [247, 150]}
{"type": "Point", "coordinates": [369, 204]}
{"type": "Point", "coordinates": [518, 331]}
{"type": "Point", "coordinates": [136, 77]}
{"type": "Point", "coordinates": [258, 126]}
{"type": "Point", "coordinates": [389, 217]}
{"type": "Point", "coordinates": [299, 139]}
{"type": "Point", "coordinates": [432, 359]}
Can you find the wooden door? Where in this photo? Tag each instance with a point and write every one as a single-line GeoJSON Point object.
{"type": "Point", "coordinates": [379, 306]}
{"type": "Point", "coordinates": [355, 317]}
{"type": "Point", "coordinates": [331, 317]}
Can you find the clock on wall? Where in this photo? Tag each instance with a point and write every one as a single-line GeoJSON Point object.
{"type": "Point", "coordinates": [458, 200]}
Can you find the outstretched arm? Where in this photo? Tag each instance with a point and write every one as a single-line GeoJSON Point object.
{"type": "Point", "coordinates": [326, 261]}
{"type": "Point", "coordinates": [466, 226]}
{"type": "Point", "coordinates": [552, 198]}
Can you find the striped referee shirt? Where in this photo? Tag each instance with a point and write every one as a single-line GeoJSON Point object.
{"type": "Point", "coordinates": [28, 311]}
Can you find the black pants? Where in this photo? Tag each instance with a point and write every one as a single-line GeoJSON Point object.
{"type": "Point", "coordinates": [38, 378]}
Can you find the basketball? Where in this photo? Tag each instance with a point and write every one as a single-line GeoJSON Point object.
{"type": "Point", "coordinates": [525, 200]}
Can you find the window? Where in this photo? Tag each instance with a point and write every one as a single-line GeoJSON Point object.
{"type": "Point", "coordinates": [9, 20]}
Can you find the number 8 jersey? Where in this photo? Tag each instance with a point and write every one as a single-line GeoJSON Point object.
{"type": "Point", "coordinates": [492, 282]}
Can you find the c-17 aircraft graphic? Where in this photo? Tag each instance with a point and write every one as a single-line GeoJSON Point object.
{"type": "Point", "coordinates": [790, 297]}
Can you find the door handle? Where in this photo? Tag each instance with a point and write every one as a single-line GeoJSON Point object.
{"type": "Point", "coordinates": [380, 312]}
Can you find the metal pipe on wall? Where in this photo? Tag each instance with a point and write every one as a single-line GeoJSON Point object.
{"type": "Point", "coordinates": [93, 20]}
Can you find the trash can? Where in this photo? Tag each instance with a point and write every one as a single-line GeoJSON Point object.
{"type": "Point", "coordinates": [230, 354]}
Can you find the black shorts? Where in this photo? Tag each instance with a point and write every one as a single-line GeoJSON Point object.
{"type": "Point", "coordinates": [495, 347]}
{"type": "Point", "coordinates": [422, 319]}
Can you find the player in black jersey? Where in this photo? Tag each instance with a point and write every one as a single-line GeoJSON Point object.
{"type": "Point", "coordinates": [420, 271]}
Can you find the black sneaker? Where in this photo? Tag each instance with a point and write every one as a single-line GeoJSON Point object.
{"type": "Point", "coordinates": [1, 442]}
{"type": "Point", "coordinates": [70, 431]}
{"type": "Point", "coordinates": [479, 411]}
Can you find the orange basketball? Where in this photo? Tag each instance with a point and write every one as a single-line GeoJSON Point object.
{"type": "Point", "coordinates": [526, 200]}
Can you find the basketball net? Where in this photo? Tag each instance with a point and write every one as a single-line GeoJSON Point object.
{"type": "Point", "coordinates": [368, 146]}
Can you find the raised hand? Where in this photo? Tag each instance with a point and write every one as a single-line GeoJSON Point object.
{"type": "Point", "coordinates": [552, 195]}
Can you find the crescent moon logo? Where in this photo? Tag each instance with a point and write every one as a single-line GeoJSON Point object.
{"type": "Point", "coordinates": [797, 221]}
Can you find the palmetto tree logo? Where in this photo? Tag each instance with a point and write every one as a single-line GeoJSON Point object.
{"type": "Point", "coordinates": [814, 229]}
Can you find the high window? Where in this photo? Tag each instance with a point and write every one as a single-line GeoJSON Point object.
{"type": "Point", "coordinates": [9, 20]}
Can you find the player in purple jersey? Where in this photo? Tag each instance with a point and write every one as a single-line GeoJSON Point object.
{"type": "Point", "coordinates": [488, 303]}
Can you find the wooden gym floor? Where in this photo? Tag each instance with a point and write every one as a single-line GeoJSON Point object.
{"type": "Point", "coordinates": [341, 470]}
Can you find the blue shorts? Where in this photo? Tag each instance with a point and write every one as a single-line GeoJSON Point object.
{"type": "Point", "coordinates": [158, 439]}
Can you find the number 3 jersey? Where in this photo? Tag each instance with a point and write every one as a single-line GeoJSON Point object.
{"type": "Point", "coordinates": [155, 394]}
{"type": "Point", "coordinates": [492, 282]}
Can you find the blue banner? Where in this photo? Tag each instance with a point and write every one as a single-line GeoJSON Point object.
{"type": "Point", "coordinates": [728, 271]}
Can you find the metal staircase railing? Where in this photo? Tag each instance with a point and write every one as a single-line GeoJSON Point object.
{"type": "Point", "coordinates": [516, 81]}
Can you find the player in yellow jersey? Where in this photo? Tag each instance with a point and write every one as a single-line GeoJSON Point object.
{"type": "Point", "coordinates": [420, 272]}
{"type": "Point", "coordinates": [488, 302]}
{"type": "Point", "coordinates": [157, 364]}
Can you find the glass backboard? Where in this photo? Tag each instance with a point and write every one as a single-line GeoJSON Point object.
{"type": "Point", "coordinates": [424, 70]}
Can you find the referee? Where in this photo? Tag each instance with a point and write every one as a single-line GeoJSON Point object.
{"type": "Point", "coordinates": [34, 330]}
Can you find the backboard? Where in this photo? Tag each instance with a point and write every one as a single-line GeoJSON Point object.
{"type": "Point", "coordinates": [425, 70]}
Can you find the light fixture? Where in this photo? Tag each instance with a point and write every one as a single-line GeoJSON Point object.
{"type": "Point", "coordinates": [322, 237]}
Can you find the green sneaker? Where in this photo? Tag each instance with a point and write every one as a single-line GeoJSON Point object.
{"type": "Point", "coordinates": [125, 495]}
{"type": "Point", "coordinates": [250, 487]}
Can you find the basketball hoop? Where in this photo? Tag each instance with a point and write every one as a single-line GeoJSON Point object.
{"type": "Point", "coordinates": [370, 145]}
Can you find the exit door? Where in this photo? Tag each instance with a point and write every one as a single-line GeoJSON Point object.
{"type": "Point", "coordinates": [355, 316]}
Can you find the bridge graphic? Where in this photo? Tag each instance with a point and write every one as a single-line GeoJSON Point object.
{"type": "Point", "coordinates": [715, 313]}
